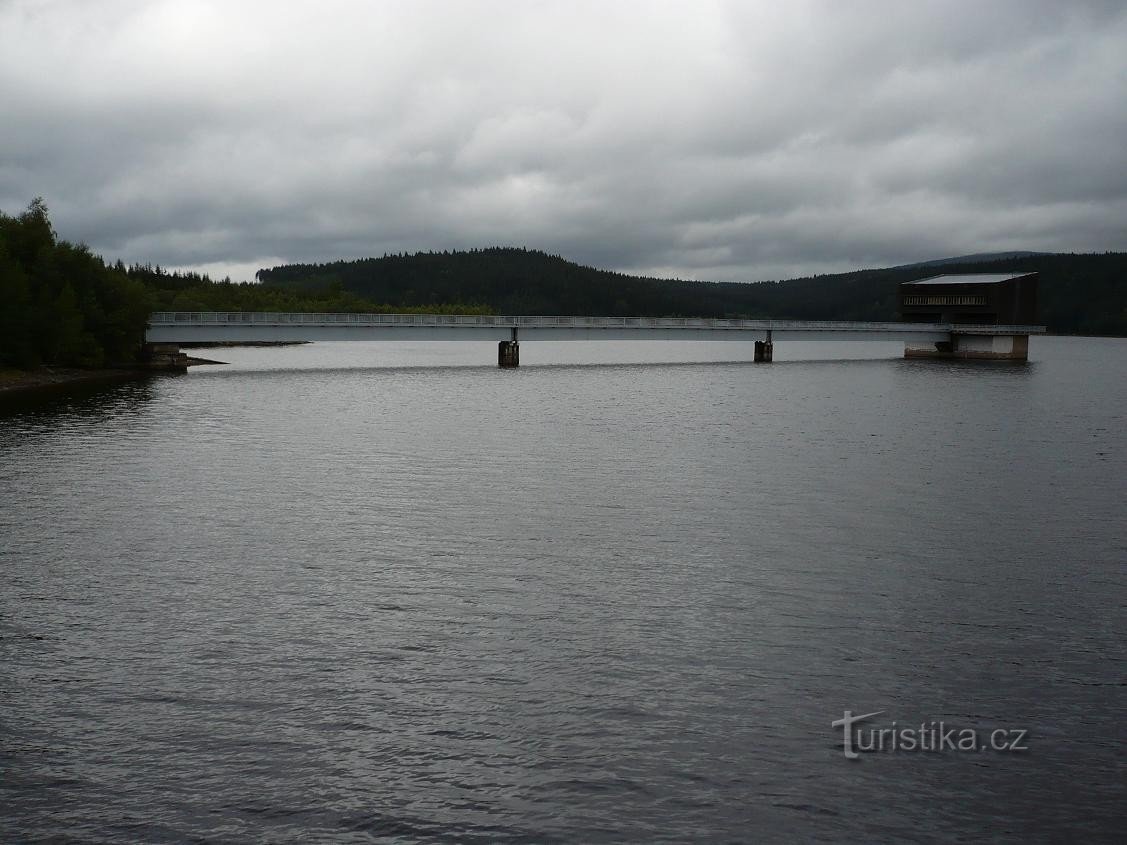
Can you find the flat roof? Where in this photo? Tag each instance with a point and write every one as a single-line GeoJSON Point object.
{"type": "Point", "coordinates": [969, 279]}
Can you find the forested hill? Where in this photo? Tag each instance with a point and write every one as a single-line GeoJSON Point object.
{"type": "Point", "coordinates": [1084, 294]}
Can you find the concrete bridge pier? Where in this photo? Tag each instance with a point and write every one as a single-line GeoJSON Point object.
{"type": "Point", "coordinates": [981, 347]}
{"type": "Point", "coordinates": [508, 352]}
{"type": "Point", "coordinates": [764, 350]}
{"type": "Point", "coordinates": [164, 356]}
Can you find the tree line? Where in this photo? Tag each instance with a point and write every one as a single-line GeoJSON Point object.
{"type": "Point", "coordinates": [188, 291]}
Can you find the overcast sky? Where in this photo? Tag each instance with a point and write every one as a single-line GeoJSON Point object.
{"type": "Point", "coordinates": [708, 140]}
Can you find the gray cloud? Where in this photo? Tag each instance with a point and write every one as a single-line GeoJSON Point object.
{"type": "Point", "coordinates": [725, 140]}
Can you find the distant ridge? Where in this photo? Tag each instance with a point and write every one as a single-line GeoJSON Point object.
{"type": "Point", "coordinates": [1080, 294]}
{"type": "Point", "coordinates": [973, 258]}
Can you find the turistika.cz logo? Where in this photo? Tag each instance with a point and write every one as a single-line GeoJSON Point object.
{"type": "Point", "coordinates": [926, 736]}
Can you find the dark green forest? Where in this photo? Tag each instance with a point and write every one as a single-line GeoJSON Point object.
{"type": "Point", "coordinates": [1081, 294]}
{"type": "Point", "coordinates": [59, 303]}
{"type": "Point", "coordinates": [187, 291]}
{"type": "Point", "coordinates": [62, 305]}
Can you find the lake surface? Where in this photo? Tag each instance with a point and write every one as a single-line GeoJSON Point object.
{"type": "Point", "coordinates": [356, 591]}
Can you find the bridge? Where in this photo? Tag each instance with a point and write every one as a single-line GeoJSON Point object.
{"type": "Point", "coordinates": [168, 329]}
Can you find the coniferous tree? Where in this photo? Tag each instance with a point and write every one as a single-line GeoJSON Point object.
{"type": "Point", "coordinates": [59, 303]}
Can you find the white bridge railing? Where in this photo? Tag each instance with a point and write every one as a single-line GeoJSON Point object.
{"type": "Point", "coordinates": [269, 318]}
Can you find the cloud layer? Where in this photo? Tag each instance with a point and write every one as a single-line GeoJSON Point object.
{"type": "Point", "coordinates": [712, 140]}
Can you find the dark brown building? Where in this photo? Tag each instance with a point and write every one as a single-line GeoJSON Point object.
{"type": "Point", "coordinates": [1007, 299]}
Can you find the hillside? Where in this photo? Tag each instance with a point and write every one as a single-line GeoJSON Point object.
{"type": "Point", "coordinates": [1079, 293]}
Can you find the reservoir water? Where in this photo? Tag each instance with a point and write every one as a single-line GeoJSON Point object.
{"type": "Point", "coordinates": [348, 592]}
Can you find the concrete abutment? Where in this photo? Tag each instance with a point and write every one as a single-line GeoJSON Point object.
{"type": "Point", "coordinates": [164, 356]}
{"type": "Point", "coordinates": [983, 347]}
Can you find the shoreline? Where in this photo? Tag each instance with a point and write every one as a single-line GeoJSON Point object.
{"type": "Point", "coordinates": [218, 344]}
{"type": "Point", "coordinates": [43, 379]}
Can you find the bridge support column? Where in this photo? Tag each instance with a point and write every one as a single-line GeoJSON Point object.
{"type": "Point", "coordinates": [164, 356]}
{"type": "Point", "coordinates": [983, 347]}
{"type": "Point", "coordinates": [508, 352]}
{"type": "Point", "coordinates": [764, 350]}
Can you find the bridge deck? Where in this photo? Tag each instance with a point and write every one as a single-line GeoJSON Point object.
{"type": "Point", "coordinates": [196, 326]}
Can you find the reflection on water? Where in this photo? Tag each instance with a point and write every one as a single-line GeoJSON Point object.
{"type": "Point", "coordinates": [92, 402]}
